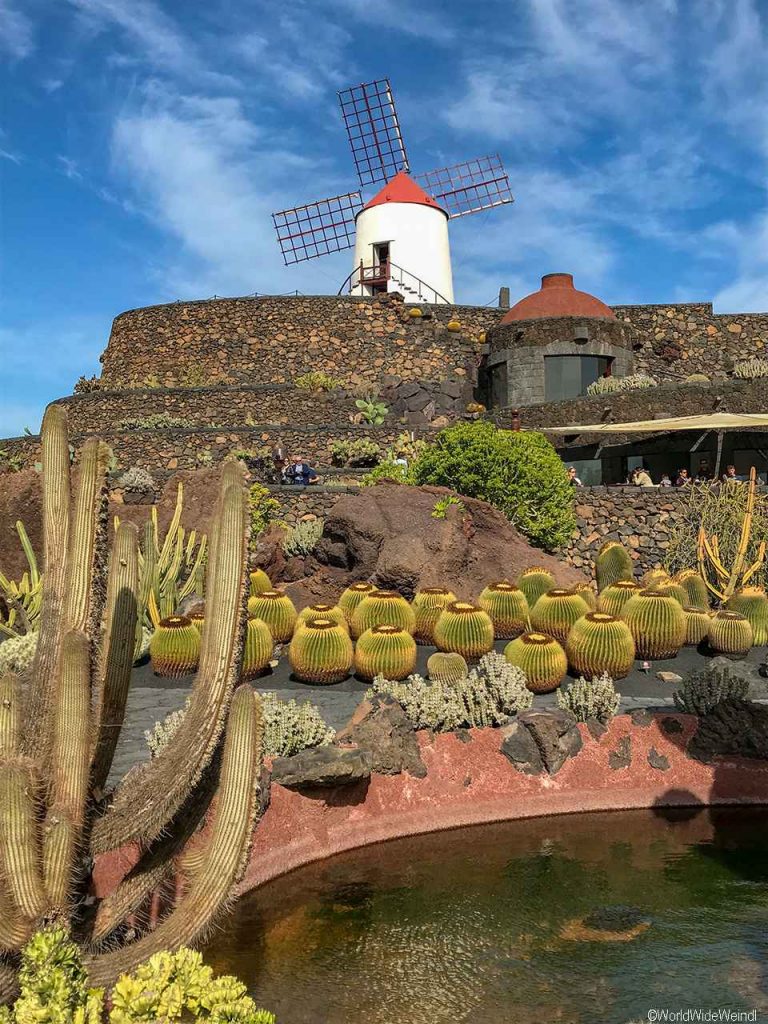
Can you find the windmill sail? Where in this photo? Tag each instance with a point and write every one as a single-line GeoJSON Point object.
{"type": "Point", "coordinates": [372, 125]}
{"type": "Point", "coordinates": [469, 187]}
{"type": "Point", "coordinates": [317, 229]}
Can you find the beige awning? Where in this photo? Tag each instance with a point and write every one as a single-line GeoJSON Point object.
{"type": "Point", "coordinates": [708, 421]}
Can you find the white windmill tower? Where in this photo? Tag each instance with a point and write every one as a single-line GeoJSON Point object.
{"type": "Point", "coordinates": [400, 235]}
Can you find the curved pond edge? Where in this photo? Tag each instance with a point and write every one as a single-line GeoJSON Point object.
{"type": "Point", "coordinates": [634, 764]}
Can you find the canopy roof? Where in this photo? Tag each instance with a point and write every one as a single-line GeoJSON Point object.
{"type": "Point", "coordinates": [708, 421]}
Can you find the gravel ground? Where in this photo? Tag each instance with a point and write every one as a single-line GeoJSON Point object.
{"type": "Point", "coordinates": [152, 698]}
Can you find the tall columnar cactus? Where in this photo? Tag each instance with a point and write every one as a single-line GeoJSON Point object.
{"type": "Point", "coordinates": [321, 652]}
{"type": "Point", "coordinates": [446, 667]}
{"type": "Point", "coordinates": [464, 629]}
{"type": "Point", "coordinates": [388, 651]}
{"type": "Point", "coordinates": [556, 611]}
{"type": "Point", "coordinates": [696, 626]}
{"type": "Point", "coordinates": [259, 582]}
{"type": "Point", "coordinates": [507, 607]}
{"type": "Point", "coordinates": [613, 562]}
{"type": "Point", "coordinates": [322, 611]}
{"type": "Point", "coordinates": [174, 647]}
{"type": "Point", "coordinates": [258, 649]}
{"type": "Point", "coordinates": [382, 608]}
{"type": "Point", "coordinates": [541, 658]}
{"type": "Point", "coordinates": [694, 587]}
{"type": "Point", "coordinates": [730, 633]}
{"type": "Point", "coordinates": [752, 603]}
{"type": "Point", "coordinates": [657, 624]}
{"type": "Point", "coordinates": [427, 605]}
{"type": "Point", "coordinates": [600, 643]}
{"type": "Point", "coordinates": [277, 610]}
{"type": "Point", "coordinates": [352, 596]}
{"type": "Point", "coordinates": [615, 596]}
{"type": "Point", "coordinates": [56, 748]}
{"type": "Point", "coordinates": [535, 581]}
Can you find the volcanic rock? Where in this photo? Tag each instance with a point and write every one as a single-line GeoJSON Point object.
{"type": "Point", "coordinates": [321, 766]}
{"type": "Point", "coordinates": [385, 732]}
{"type": "Point", "coordinates": [552, 737]}
{"type": "Point", "coordinates": [732, 728]}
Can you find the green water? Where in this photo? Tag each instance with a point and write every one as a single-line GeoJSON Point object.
{"type": "Point", "coordinates": [484, 925]}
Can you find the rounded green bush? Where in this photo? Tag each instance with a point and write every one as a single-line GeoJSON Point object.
{"type": "Point", "coordinates": [517, 471]}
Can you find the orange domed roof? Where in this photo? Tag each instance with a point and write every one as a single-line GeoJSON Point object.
{"type": "Point", "coordinates": [402, 189]}
{"type": "Point", "coordinates": [557, 297]}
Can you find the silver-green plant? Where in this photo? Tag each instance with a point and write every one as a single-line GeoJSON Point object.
{"type": "Point", "coordinates": [302, 538]}
{"type": "Point", "coordinates": [750, 369]}
{"type": "Point", "coordinates": [701, 691]}
{"type": "Point", "coordinates": [610, 385]}
{"type": "Point", "coordinates": [136, 478]}
{"type": "Point", "coordinates": [17, 653]}
{"type": "Point", "coordinates": [593, 698]}
{"type": "Point", "coordinates": [290, 726]}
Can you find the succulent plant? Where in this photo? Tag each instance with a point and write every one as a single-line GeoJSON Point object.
{"type": "Point", "coordinates": [17, 653]}
{"type": "Point", "coordinates": [587, 699]}
{"type": "Point", "coordinates": [321, 651]}
{"type": "Point", "coordinates": [464, 628]}
{"type": "Point", "coordinates": [382, 608]}
{"type": "Point", "coordinates": [696, 625]}
{"type": "Point", "coordinates": [258, 648]}
{"type": "Point", "coordinates": [672, 589]}
{"type": "Point", "coordinates": [385, 650]}
{"type": "Point", "coordinates": [541, 659]}
{"type": "Point", "coordinates": [752, 603]}
{"type": "Point", "coordinates": [657, 624]}
{"type": "Point", "coordinates": [277, 610]}
{"type": "Point", "coordinates": [174, 647]}
{"type": "Point", "coordinates": [613, 562]}
{"type": "Point", "coordinates": [702, 691]}
{"type": "Point", "coordinates": [302, 538]}
{"type": "Point", "coordinates": [446, 667]}
{"type": "Point", "coordinates": [729, 633]}
{"type": "Point", "coordinates": [507, 607]}
{"type": "Point", "coordinates": [198, 620]}
{"type": "Point", "coordinates": [322, 611]}
{"type": "Point", "coordinates": [352, 597]}
{"type": "Point", "coordinates": [290, 727]}
{"type": "Point", "coordinates": [695, 588]}
{"type": "Point", "coordinates": [615, 596]}
{"type": "Point", "coordinates": [534, 582]}
{"type": "Point", "coordinates": [587, 591]}
{"type": "Point", "coordinates": [427, 605]}
{"type": "Point", "coordinates": [600, 643]}
{"type": "Point", "coordinates": [653, 577]}
{"type": "Point", "coordinates": [556, 611]}
{"type": "Point", "coordinates": [259, 582]}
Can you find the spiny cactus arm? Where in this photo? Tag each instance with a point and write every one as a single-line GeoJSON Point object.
{"type": "Point", "coordinates": [147, 566]}
{"type": "Point", "coordinates": [14, 929]}
{"type": "Point", "coordinates": [56, 528]}
{"type": "Point", "coordinates": [127, 898]}
{"type": "Point", "coordinates": [19, 843]}
{"type": "Point", "coordinates": [60, 837]}
{"type": "Point", "coordinates": [746, 532]}
{"type": "Point", "coordinates": [190, 586]}
{"type": "Point", "coordinates": [165, 554]}
{"type": "Point", "coordinates": [226, 849]}
{"type": "Point", "coordinates": [29, 551]}
{"type": "Point", "coordinates": [114, 672]}
{"type": "Point", "coordinates": [704, 551]}
{"type": "Point", "coordinates": [82, 609]}
{"type": "Point", "coordinates": [756, 566]}
{"type": "Point", "coordinates": [150, 798]}
{"type": "Point", "coordinates": [9, 984]}
{"type": "Point", "coordinates": [10, 715]}
{"type": "Point", "coordinates": [72, 731]}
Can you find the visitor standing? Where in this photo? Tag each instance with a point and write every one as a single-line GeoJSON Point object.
{"type": "Point", "coordinates": [643, 477]}
{"type": "Point", "coordinates": [573, 479]}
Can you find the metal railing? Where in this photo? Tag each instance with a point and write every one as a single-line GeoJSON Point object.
{"type": "Point", "coordinates": [381, 273]}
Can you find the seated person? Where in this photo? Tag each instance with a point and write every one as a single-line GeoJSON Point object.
{"type": "Point", "coordinates": [300, 472]}
{"type": "Point", "coordinates": [683, 479]}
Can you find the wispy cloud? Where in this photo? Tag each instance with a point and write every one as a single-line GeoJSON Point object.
{"type": "Point", "coordinates": [16, 31]}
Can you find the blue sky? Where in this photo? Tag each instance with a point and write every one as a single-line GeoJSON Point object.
{"type": "Point", "coordinates": [145, 143]}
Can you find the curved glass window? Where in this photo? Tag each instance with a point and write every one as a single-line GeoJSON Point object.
{"type": "Point", "coordinates": [570, 376]}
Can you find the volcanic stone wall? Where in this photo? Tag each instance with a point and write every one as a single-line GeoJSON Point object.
{"type": "Point", "coordinates": [274, 339]}
{"type": "Point", "coordinates": [676, 340]}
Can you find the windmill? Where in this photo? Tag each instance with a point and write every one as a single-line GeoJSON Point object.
{"type": "Point", "coordinates": [400, 234]}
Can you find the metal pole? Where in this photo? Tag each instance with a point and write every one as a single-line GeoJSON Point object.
{"type": "Point", "coordinates": [719, 454]}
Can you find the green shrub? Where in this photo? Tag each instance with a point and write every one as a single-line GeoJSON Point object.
{"type": "Point", "coordinates": [610, 385]}
{"type": "Point", "coordinates": [10, 463]}
{"type": "Point", "coordinates": [318, 381]}
{"type": "Point", "coordinates": [517, 471]}
{"type": "Point", "coordinates": [372, 411]}
{"type": "Point", "coordinates": [408, 447]}
{"type": "Point", "coordinates": [359, 452]}
{"type": "Point", "coordinates": [154, 421]}
{"type": "Point", "coordinates": [441, 506]}
{"type": "Point", "coordinates": [302, 538]}
{"type": "Point", "coordinates": [701, 691]}
{"type": "Point", "coordinates": [86, 384]}
{"type": "Point", "coordinates": [263, 509]}
{"type": "Point", "coordinates": [585, 699]}
{"type": "Point", "coordinates": [388, 469]}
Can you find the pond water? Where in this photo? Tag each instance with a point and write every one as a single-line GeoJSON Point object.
{"type": "Point", "coordinates": [581, 918]}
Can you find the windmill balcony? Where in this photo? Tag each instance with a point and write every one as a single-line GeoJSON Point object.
{"type": "Point", "coordinates": [386, 276]}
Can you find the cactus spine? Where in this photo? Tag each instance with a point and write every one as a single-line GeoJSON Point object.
{"type": "Point", "coordinates": [388, 651]}
{"type": "Point", "coordinates": [352, 597]}
{"type": "Point", "coordinates": [259, 582]}
{"type": "Point", "coordinates": [382, 608]}
{"type": "Point", "coordinates": [614, 597]}
{"type": "Point", "coordinates": [696, 626]}
{"type": "Point", "coordinates": [277, 610]}
{"type": "Point", "coordinates": [657, 623]}
{"type": "Point", "coordinates": [541, 658]}
{"type": "Point", "coordinates": [174, 647]}
{"type": "Point", "coordinates": [322, 611]}
{"type": "Point", "coordinates": [258, 648]}
{"type": "Point", "coordinates": [730, 633]}
{"type": "Point", "coordinates": [613, 562]}
{"type": "Point", "coordinates": [752, 603]}
{"type": "Point", "coordinates": [464, 629]}
{"type": "Point", "coordinates": [321, 652]}
{"type": "Point", "coordinates": [446, 668]}
{"type": "Point", "coordinates": [534, 582]}
{"type": "Point", "coordinates": [695, 588]}
{"type": "Point", "coordinates": [427, 605]}
{"type": "Point", "coordinates": [600, 643]}
{"type": "Point", "coordinates": [556, 611]}
{"type": "Point", "coordinates": [507, 607]}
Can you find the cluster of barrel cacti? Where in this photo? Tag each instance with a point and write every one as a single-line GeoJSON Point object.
{"type": "Point", "coordinates": [60, 724]}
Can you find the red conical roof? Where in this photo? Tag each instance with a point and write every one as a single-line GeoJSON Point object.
{"type": "Point", "coordinates": [402, 189]}
{"type": "Point", "coordinates": [558, 297]}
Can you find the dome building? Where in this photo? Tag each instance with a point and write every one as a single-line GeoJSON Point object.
{"type": "Point", "coordinates": [552, 344]}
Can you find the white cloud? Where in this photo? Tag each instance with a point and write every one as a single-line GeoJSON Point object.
{"type": "Point", "coordinates": [408, 17]}
{"type": "Point", "coordinates": [69, 168]}
{"type": "Point", "coordinates": [16, 31]}
{"type": "Point", "coordinates": [6, 154]}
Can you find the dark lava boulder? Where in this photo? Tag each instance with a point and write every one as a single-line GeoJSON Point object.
{"type": "Point", "coordinates": [732, 728]}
